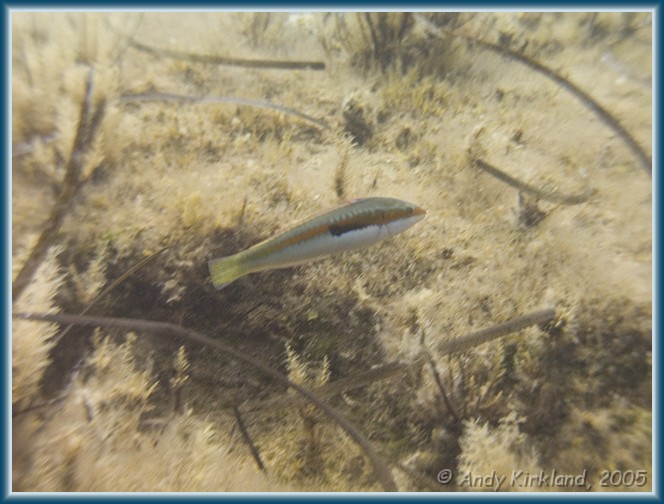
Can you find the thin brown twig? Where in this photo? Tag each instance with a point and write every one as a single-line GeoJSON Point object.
{"type": "Point", "coordinates": [564, 199]}
{"type": "Point", "coordinates": [224, 60]}
{"type": "Point", "coordinates": [171, 97]}
{"type": "Point", "coordinates": [247, 439]}
{"type": "Point", "coordinates": [441, 388]}
{"type": "Point", "coordinates": [485, 335]}
{"type": "Point", "coordinates": [426, 355]}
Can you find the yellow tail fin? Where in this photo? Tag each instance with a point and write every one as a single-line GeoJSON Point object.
{"type": "Point", "coordinates": [224, 270]}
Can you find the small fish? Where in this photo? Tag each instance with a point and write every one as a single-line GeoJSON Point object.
{"type": "Point", "coordinates": [359, 224]}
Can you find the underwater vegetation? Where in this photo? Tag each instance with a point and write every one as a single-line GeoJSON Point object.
{"type": "Point", "coordinates": [507, 334]}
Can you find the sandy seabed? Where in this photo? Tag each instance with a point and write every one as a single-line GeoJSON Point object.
{"type": "Point", "coordinates": [193, 159]}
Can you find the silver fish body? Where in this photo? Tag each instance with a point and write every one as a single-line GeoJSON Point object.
{"type": "Point", "coordinates": [359, 224]}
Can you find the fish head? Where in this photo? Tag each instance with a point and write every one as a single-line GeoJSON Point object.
{"type": "Point", "coordinates": [399, 219]}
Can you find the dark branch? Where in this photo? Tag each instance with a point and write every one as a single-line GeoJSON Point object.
{"type": "Point", "coordinates": [565, 199]}
{"type": "Point", "coordinates": [170, 97]}
{"type": "Point", "coordinates": [247, 439]}
{"type": "Point", "coordinates": [223, 60]}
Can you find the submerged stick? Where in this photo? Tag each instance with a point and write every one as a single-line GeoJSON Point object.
{"type": "Point", "coordinates": [224, 60]}
{"type": "Point", "coordinates": [441, 388]}
{"type": "Point", "coordinates": [477, 338]}
{"type": "Point", "coordinates": [89, 121]}
{"type": "Point", "coordinates": [381, 470]}
{"type": "Point", "coordinates": [604, 115]}
{"type": "Point", "coordinates": [247, 439]}
{"type": "Point", "coordinates": [171, 97]}
{"type": "Point", "coordinates": [565, 199]}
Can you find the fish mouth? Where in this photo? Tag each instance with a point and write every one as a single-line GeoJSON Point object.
{"type": "Point", "coordinates": [419, 211]}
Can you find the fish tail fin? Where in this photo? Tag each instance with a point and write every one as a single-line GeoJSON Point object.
{"type": "Point", "coordinates": [224, 270]}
